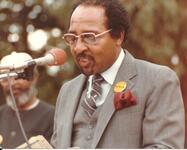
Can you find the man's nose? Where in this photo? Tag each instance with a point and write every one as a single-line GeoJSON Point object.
{"type": "Point", "coordinates": [79, 46]}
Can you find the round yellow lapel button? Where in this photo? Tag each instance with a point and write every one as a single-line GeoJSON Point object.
{"type": "Point", "coordinates": [120, 86]}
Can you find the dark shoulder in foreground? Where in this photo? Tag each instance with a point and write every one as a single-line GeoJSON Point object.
{"type": "Point", "coordinates": [46, 107]}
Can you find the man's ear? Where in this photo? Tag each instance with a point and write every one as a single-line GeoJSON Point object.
{"type": "Point", "coordinates": [121, 38]}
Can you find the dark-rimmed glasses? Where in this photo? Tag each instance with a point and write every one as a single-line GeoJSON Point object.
{"type": "Point", "coordinates": [87, 38]}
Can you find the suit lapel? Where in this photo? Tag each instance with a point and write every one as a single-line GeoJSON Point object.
{"type": "Point", "coordinates": [73, 98]}
{"type": "Point", "coordinates": [125, 73]}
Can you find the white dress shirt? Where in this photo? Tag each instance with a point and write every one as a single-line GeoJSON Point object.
{"type": "Point", "coordinates": [109, 76]}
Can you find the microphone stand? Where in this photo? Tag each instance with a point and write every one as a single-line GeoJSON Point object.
{"type": "Point", "coordinates": [6, 75]}
{"type": "Point", "coordinates": [26, 74]}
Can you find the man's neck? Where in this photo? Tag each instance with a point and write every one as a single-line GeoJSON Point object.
{"type": "Point", "coordinates": [29, 105]}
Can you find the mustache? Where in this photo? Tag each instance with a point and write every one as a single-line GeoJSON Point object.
{"type": "Point", "coordinates": [83, 55]}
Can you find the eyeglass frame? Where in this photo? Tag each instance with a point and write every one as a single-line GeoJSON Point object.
{"type": "Point", "coordinates": [82, 38]}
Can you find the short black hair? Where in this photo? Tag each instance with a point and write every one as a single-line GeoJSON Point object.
{"type": "Point", "coordinates": [117, 17]}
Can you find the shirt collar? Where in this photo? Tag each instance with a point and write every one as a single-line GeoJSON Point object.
{"type": "Point", "coordinates": [33, 105]}
{"type": "Point", "coordinates": [110, 74]}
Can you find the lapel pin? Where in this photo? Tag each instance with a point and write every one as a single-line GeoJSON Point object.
{"type": "Point", "coordinates": [120, 86]}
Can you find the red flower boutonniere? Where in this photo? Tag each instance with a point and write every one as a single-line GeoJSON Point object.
{"type": "Point", "coordinates": [124, 99]}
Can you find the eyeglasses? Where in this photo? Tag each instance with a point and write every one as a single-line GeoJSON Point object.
{"type": "Point", "coordinates": [87, 38]}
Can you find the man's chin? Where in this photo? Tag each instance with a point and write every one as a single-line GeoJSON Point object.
{"type": "Point", "coordinates": [19, 99]}
{"type": "Point", "coordinates": [87, 72]}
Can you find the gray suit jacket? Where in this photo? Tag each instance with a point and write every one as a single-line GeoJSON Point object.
{"type": "Point", "coordinates": [156, 121]}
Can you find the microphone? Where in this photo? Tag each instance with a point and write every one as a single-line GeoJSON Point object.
{"type": "Point", "coordinates": [55, 57]}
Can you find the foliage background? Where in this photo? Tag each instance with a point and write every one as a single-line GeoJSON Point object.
{"type": "Point", "coordinates": [158, 34]}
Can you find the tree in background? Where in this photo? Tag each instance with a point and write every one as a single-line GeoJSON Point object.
{"type": "Point", "coordinates": [34, 27]}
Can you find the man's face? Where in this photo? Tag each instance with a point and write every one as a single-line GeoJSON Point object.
{"type": "Point", "coordinates": [22, 91]}
{"type": "Point", "coordinates": [97, 57]}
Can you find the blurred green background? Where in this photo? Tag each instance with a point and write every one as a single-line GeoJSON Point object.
{"type": "Point", "coordinates": [158, 34]}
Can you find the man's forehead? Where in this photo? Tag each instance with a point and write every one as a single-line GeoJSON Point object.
{"type": "Point", "coordinates": [88, 13]}
{"type": "Point", "coordinates": [86, 16]}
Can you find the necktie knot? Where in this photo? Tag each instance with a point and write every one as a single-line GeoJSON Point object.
{"type": "Point", "coordinates": [89, 103]}
{"type": "Point", "coordinates": [97, 78]}
{"type": "Point", "coordinates": [96, 86]}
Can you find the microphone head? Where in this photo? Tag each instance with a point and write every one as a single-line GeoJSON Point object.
{"type": "Point", "coordinates": [59, 55]}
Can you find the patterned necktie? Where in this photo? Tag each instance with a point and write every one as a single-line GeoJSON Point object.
{"type": "Point", "coordinates": [89, 103]}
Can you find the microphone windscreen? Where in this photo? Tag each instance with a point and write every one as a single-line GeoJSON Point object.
{"type": "Point", "coordinates": [59, 55]}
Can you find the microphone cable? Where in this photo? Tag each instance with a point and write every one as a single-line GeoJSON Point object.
{"type": "Point", "coordinates": [17, 112]}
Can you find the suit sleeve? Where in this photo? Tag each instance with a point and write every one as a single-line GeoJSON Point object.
{"type": "Point", "coordinates": [163, 124]}
{"type": "Point", "coordinates": [54, 139]}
